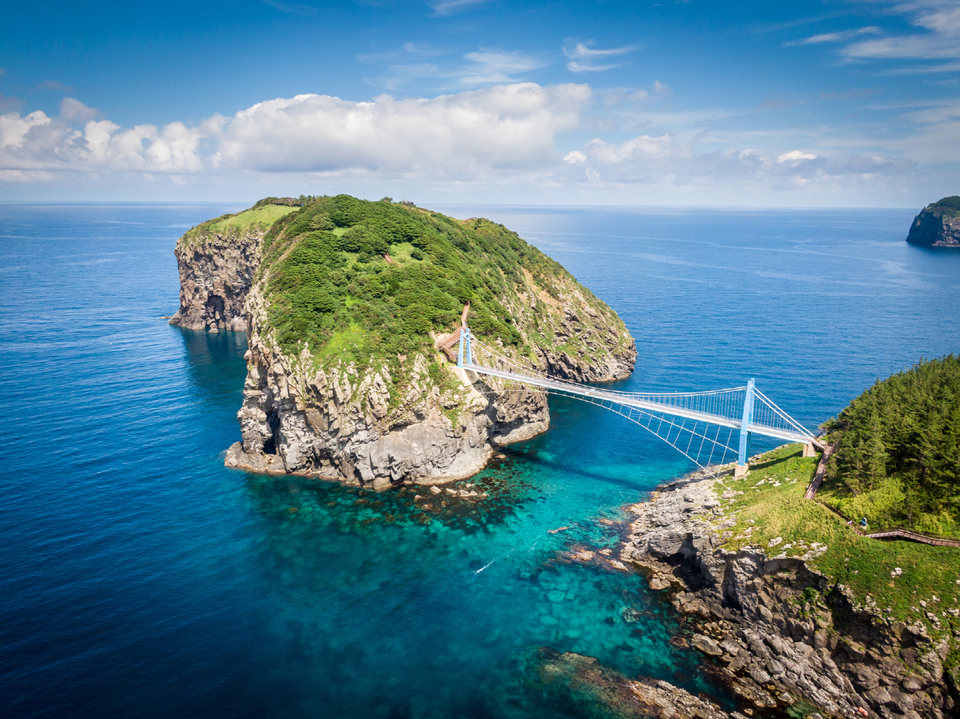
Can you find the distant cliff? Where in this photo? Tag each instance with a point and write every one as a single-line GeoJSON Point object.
{"type": "Point", "coordinates": [937, 225]}
{"type": "Point", "coordinates": [343, 301]}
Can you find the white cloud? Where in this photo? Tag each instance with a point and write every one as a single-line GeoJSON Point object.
{"type": "Point", "coordinates": [489, 67]}
{"type": "Point", "coordinates": [663, 162]}
{"type": "Point", "coordinates": [448, 7]}
{"type": "Point", "coordinates": [489, 139]}
{"type": "Point", "coordinates": [36, 142]}
{"type": "Point", "coordinates": [307, 11]}
{"type": "Point", "coordinates": [481, 67]}
{"type": "Point", "coordinates": [585, 58]}
{"type": "Point", "coordinates": [940, 21]}
{"type": "Point", "coordinates": [496, 129]}
{"type": "Point", "coordinates": [842, 36]}
{"type": "Point", "coordinates": [795, 156]}
{"type": "Point", "coordinates": [72, 110]}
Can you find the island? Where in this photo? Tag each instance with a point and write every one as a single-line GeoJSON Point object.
{"type": "Point", "coordinates": [937, 225]}
{"type": "Point", "coordinates": [346, 302]}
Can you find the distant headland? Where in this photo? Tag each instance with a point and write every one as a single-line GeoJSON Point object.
{"type": "Point", "coordinates": [937, 225]}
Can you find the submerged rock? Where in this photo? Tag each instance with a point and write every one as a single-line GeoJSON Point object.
{"type": "Point", "coordinates": [593, 690]}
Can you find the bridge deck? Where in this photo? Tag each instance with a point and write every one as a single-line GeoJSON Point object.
{"type": "Point", "coordinates": [638, 403]}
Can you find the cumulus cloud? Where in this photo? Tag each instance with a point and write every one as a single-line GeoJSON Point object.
{"type": "Point", "coordinates": [662, 161]}
{"type": "Point", "coordinates": [585, 58]}
{"type": "Point", "coordinates": [37, 142]}
{"type": "Point", "coordinates": [503, 135]}
{"type": "Point", "coordinates": [495, 129]}
{"type": "Point", "coordinates": [72, 110]}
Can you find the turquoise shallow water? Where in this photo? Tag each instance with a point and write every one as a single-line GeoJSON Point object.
{"type": "Point", "coordinates": [140, 577]}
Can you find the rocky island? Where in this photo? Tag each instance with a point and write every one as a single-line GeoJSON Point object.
{"type": "Point", "coordinates": [937, 225]}
{"type": "Point", "coordinates": [343, 302]}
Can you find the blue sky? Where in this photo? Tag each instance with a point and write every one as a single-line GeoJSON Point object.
{"type": "Point", "coordinates": [664, 103]}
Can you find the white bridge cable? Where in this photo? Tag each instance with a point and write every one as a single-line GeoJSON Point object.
{"type": "Point", "coordinates": [662, 426]}
{"type": "Point", "coordinates": [723, 406]}
{"type": "Point", "coordinates": [786, 421]}
{"type": "Point", "coordinates": [723, 400]}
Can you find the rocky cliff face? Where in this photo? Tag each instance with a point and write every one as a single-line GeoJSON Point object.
{"type": "Point", "coordinates": [774, 644]}
{"type": "Point", "coordinates": [338, 423]}
{"type": "Point", "coordinates": [386, 418]}
{"type": "Point", "coordinates": [216, 273]}
{"type": "Point", "coordinates": [936, 226]}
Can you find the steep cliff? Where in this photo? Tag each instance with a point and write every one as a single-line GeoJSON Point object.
{"type": "Point", "coordinates": [217, 262]}
{"type": "Point", "coordinates": [344, 305]}
{"type": "Point", "coordinates": [937, 225]}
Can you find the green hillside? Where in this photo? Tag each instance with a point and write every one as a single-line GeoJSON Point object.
{"type": "Point", "coordinates": [366, 282]}
{"type": "Point", "coordinates": [947, 207]}
{"type": "Point", "coordinates": [897, 459]}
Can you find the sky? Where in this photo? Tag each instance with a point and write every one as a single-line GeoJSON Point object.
{"type": "Point", "coordinates": [680, 102]}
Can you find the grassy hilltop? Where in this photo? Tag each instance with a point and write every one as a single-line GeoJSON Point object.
{"type": "Point", "coordinates": [948, 207]}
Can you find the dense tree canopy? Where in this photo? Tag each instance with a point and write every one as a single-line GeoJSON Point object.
{"type": "Point", "coordinates": [369, 280]}
{"type": "Point", "coordinates": [898, 445]}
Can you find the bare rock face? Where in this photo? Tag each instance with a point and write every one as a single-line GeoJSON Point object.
{"type": "Point", "coordinates": [337, 423]}
{"type": "Point", "coordinates": [216, 274]}
{"type": "Point", "coordinates": [937, 225]}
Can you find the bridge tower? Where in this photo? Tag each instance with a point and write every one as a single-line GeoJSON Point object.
{"type": "Point", "coordinates": [744, 452]}
{"type": "Point", "coordinates": [463, 350]}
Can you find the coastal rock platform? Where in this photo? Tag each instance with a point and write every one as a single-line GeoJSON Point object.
{"type": "Point", "coordinates": [769, 640]}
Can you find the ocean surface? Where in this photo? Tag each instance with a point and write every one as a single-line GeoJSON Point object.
{"type": "Point", "coordinates": [138, 577]}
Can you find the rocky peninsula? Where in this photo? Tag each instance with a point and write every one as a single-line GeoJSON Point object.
{"type": "Point", "coordinates": [344, 303]}
{"type": "Point", "coordinates": [937, 225]}
{"type": "Point", "coordinates": [773, 614]}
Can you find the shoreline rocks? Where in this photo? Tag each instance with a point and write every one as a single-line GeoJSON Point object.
{"type": "Point", "coordinates": [780, 633]}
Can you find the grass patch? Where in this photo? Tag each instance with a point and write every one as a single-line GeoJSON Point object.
{"type": "Point", "coordinates": [772, 514]}
{"type": "Point", "coordinates": [256, 218]}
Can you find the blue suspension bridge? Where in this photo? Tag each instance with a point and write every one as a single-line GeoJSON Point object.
{"type": "Point", "coordinates": [708, 428]}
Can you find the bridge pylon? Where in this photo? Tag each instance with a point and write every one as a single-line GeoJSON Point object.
{"type": "Point", "coordinates": [463, 349]}
{"type": "Point", "coordinates": [745, 433]}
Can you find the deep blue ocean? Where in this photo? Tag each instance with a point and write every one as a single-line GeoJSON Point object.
{"type": "Point", "coordinates": [139, 578]}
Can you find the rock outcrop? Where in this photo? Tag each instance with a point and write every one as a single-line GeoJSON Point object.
{"type": "Point", "coordinates": [937, 225]}
{"type": "Point", "coordinates": [216, 273]}
{"type": "Point", "coordinates": [781, 633]}
{"type": "Point", "coordinates": [593, 690]}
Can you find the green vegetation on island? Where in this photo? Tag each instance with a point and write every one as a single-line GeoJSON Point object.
{"type": "Point", "coordinates": [897, 458]}
{"type": "Point", "coordinates": [366, 282]}
{"type": "Point", "coordinates": [947, 207]}
{"type": "Point", "coordinates": [902, 580]}
{"type": "Point", "coordinates": [260, 217]}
